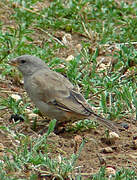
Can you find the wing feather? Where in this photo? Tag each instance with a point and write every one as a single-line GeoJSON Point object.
{"type": "Point", "coordinates": [56, 89]}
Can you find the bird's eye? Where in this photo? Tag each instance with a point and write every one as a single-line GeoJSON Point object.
{"type": "Point", "coordinates": [23, 61]}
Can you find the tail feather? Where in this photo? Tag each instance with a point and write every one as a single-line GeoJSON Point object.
{"type": "Point", "coordinates": [109, 124]}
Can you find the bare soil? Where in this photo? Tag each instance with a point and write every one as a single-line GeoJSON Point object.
{"type": "Point", "coordinates": [92, 157]}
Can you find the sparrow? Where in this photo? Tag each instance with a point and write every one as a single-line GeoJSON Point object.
{"type": "Point", "coordinates": [54, 94]}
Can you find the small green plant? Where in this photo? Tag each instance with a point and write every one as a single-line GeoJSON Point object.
{"type": "Point", "coordinates": [33, 155]}
{"type": "Point", "coordinates": [82, 125]}
{"type": "Point", "coordinates": [122, 174]}
{"type": "Point", "coordinates": [104, 28]}
{"type": "Point", "coordinates": [16, 106]}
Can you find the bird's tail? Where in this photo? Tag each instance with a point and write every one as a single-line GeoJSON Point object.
{"type": "Point", "coordinates": [109, 124]}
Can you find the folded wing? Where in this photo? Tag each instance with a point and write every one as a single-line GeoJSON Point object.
{"type": "Point", "coordinates": [56, 89]}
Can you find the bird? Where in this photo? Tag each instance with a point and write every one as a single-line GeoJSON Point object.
{"type": "Point", "coordinates": [53, 94]}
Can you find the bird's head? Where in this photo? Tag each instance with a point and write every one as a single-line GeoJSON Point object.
{"type": "Point", "coordinates": [28, 64]}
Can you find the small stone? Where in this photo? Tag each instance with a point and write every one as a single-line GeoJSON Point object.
{"type": "Point", "coordinates": [79, 47]}
{"type": "Point", "coordinates": [124, 125]}
{"type": "Point", "coordinates": [70, 57]}
{"type": "Point", "coordinates": [32, 116]}
{"type": "Point", "coordinates": [111, 139]}
{"type": "Point", "coordinates": [110, 171]}
{"type": "Point", "coordinates": [21, 82]}
{"type": "Point", "coordinates": [113, 135]}
{"type": "Point", "coordinates": [66, 39]}
{"type": "Point", "coordinates": [107, 150]}
{"type": "Point", "coordinates": [16, 97]}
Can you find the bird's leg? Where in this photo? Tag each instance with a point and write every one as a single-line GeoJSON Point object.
{"type": "Point", "coordinates": [59, 128]}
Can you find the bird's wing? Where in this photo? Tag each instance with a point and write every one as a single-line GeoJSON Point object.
{"type": "Point", "coordinates": [53, 88]}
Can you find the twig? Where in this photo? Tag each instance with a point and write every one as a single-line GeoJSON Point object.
{"type": "Point", "coordinates": [86, 31]}
{"type": "Point", "coordinates": [97, 93]}
{"type": "Point", "coordinates": [9, 92]}
{"type": "Point", "coordinates": [117, 45]}
{"type": "Point", "coordinates": [26, 9]}
{"type": "Point", "coordinates": [102, 59]}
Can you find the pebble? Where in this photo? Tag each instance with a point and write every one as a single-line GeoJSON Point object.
{"type": "Point", "coordinates": [66, 38]}
{"type": "Point", "coordinates": [113, 135]}
{"type": "Point", "coordinates": [79, 47]}
{"type": "Point", "coordinates": [110, 171]}
{"type": "Point", "coordinates": [124, 125]}
{"type": "Point", "coordinates": [16, 97]}
{"type": "Point", "coordinates": [69, 58]}
{"type": "Point", "coordinates": [106, 150]}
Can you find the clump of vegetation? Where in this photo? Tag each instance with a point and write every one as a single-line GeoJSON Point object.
{"type": "Point", "coordinates": [104, 69]}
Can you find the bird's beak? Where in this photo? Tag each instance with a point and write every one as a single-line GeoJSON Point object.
{"type": "Point", "coordinates": [13, 62]}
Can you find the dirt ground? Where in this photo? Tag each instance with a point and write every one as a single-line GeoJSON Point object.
{"type": "Point", "coordinates": [123, 152]}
